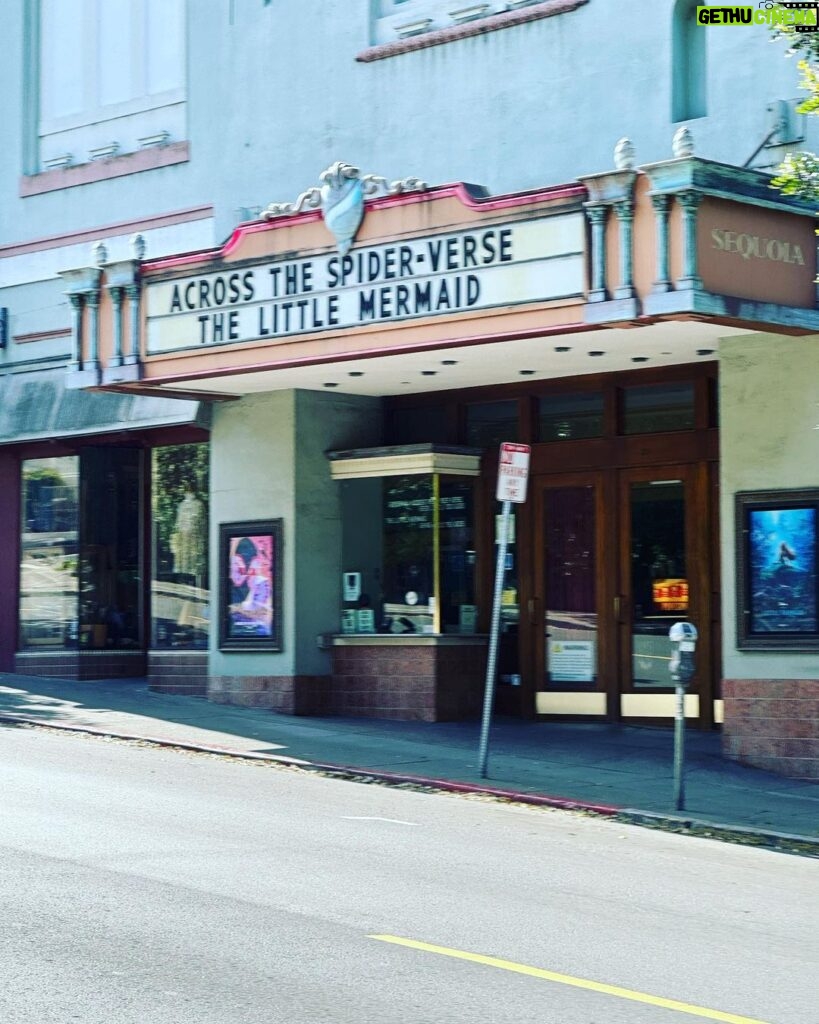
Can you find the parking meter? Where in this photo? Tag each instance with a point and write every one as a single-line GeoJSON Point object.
{"type": "Point", "coordinates": [684, 638]}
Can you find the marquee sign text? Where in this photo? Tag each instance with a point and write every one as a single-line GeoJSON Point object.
{"type": "Point", "coordinates": [526, 261]}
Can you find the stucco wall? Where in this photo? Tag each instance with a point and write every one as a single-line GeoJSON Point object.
{"type": "Point", "coordinates": [252, 472]}
{"type": "Point", "coordinates": [275, 94]}
{"type": "Point", "coordinates": [769, 412]}
{"type": "Point", "coordinates": [323, 422]}
{"type": "Point", "coordinates": [268, 462]}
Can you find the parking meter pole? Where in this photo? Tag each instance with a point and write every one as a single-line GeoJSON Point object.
{"type": "Point", "coordinates": [492, 659]}
{"type": "Point", "coordinates": [683, 637]}
{"type": "Point", "coordinates": [679, 750]}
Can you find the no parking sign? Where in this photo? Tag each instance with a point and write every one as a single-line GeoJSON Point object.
{"type": "Point", "coordinates": [513, 472]}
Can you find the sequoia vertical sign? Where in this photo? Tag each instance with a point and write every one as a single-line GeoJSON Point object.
{"type": "Point", "coordinates": [756, 254]}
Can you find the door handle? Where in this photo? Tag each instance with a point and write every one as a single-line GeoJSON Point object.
{"type": "Point", "coordinates": [532, 611]}
{"type": "Point", "coordinates": [618, 608]}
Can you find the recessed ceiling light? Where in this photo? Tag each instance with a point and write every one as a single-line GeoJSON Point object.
{"type": "Point", "coordinates": [705, 351]}
{"type": "Point", "coordinates": [356, 373]}
{"type": "Point", "coordinates": [596, 352]}
{"type": "Point", "coordinates": [562, 348]}
{"type": "Point", "coordinates": [639, 359]}
{"type": "Point", "coordinates": [331, 384]}
{"type": "Point", "coordinates": [526, 373]}
{"type": "Point", "coordinates": [449, 362]}
{"type": "Point", "coordinates": [428, 373]}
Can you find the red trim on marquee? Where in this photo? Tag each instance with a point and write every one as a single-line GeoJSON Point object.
{"type": "Point", "coordinates": [458, 191]}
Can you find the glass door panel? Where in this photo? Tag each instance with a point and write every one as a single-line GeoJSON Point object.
{"type": "Point", "coordinates": [570, 579]}
{"type": "Point", "coordinates": [658, 576]}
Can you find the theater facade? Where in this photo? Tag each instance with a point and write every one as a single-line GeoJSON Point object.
{"type": "Point", "coordinates": [315, 530]}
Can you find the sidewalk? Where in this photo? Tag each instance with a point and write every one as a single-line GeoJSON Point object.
{"type": "Point", "coordinates": [622, 771]}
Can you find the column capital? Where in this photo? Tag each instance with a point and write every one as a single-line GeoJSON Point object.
{"type": "Point", "coordinates": [624, 208]}
{"type": "Point", "coordinates": [596, 212]}
{"type": "Point", "coordinates": [690, 199]}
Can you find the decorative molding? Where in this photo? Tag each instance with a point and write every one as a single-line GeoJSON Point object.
{"type": "Point", "coordinates": [142, 224]}
{"type": "Point", "coordinates": [100, 170]}
{"type": "Point", "coordinates": [25, 339]}
{"type": "Point", "coordinates": [341, 198]}
{"type": "Point", "coordinates": [723, 181]}
{"type": "Point", "coordinates": [483, 26]}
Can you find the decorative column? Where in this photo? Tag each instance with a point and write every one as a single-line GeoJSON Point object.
{"type": "Point", "coordinates": [76, 302]}
{"type": "Point", "coordinates": [624, 209]}
{"type": "Point", "coordinates": [83, 292]}
{"type": "Point", "coordinates": [116, 293]}
{"type": "Point", "coordinates": [612, 190]}
{"type": "Point", "coordinates": [661, 204]}
{"type": "Point", "coordinates": [682, 180]}
{"type": "Point", "coordinates": [123, 283]}
{"type": "Point", "coordinates": [92, 300]}
{"type": "Point", "coordinates": [133, 291]}
{"type": "Point", "coordinates": [597, 217]}
{"type": "Point", "coordinates": [689, 201]}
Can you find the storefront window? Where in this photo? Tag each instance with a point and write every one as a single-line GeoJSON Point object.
{"type": "Point", "coordinates": [655, 408]}
{"type": "Point", "coordinates": [427, 423]}
{"type": "Point", "coordinates": [180, 598]}
{"type": "Point", "coordinates": [571, 417]}
{"type": "Point", "coordinates": [109, 548]}
{"type": "Point", "coordinates": [48, 565]}
{"type": "Point", "coordinates": [409, 556]}
{"type": "Point", "coordinates": [491, 423]}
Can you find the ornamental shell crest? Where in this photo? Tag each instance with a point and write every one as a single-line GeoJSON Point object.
{"type": "Point", "coordinates": [341, 198]}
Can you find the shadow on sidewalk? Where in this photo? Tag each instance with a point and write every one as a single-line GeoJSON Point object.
{"type": "Point", "coordinates": [618, 765]}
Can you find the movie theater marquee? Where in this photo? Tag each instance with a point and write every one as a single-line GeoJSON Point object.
{"type": "Point", "coordinates": [501, 265]}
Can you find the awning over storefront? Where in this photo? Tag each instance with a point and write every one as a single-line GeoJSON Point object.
{"type": "Point", "coordinates": [37, 406]}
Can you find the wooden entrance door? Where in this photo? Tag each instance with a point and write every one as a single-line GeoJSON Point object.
{"type": "Point", "coordinates": [619, 556]}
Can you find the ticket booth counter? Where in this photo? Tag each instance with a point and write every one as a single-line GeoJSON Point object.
{"type": "Point", "coordinates": [407, 645]}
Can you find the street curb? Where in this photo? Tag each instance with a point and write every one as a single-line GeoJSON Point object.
{"type": "Point", "coordinates": [326, 767]}
{"type": "Point", "coordinates": [782, 842]}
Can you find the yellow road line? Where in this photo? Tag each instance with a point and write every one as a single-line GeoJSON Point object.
{"type": "Point", "coordinates": [568, 979]}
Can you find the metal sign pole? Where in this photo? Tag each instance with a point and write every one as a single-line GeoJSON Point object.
{"type": "Point", "coordinates": [491, 662]}
{"type": "Point", "coordinates": [679, 750]}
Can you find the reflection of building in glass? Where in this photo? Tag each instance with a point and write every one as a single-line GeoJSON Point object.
{"type": "Point", "coordinates": [188, 539]}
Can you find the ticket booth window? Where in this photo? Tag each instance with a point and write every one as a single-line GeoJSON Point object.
{"type": "Point", "coordinates": [408, 547]}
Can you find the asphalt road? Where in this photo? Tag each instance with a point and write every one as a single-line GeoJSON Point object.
{"type": "Point", "coordinates": [147, 885]}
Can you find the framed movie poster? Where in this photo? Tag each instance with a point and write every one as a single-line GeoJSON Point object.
{"type": "Point", "coordinates": [250, 576]}
{"type": "Point", "coordinates": [777, 596]}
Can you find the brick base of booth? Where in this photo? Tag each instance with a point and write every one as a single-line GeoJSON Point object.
{"type": "Point", "coordinates": [773, 724]}
{"type": "Point", "coordinates": [291, 695]}
{"type": "Point", "coordinates": [413, 683]}
{"type": "Point", "coordinates": [185, 674]}
{"type": "Point", "coordinates": [81, 664]}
